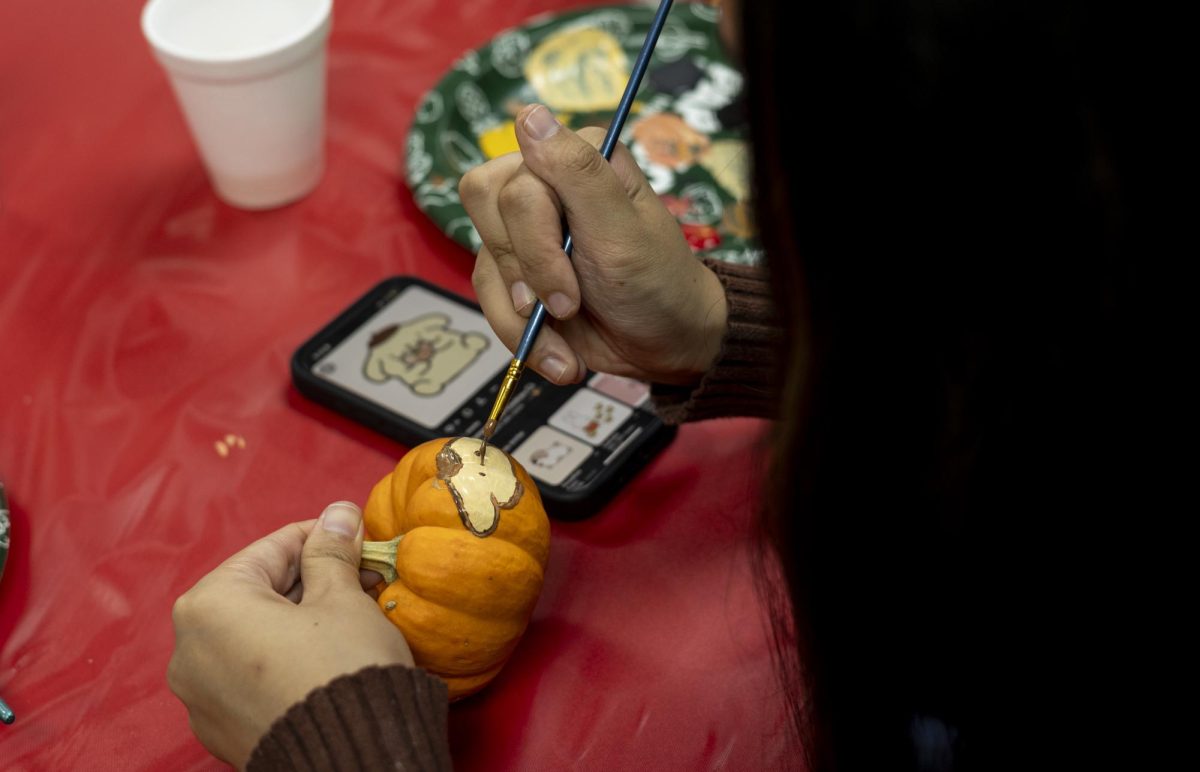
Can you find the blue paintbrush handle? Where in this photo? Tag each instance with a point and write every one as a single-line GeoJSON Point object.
{"type": "Point", "coordinates": [538, 316]}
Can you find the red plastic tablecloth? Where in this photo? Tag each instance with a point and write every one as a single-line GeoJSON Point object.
{"type": "Point", "coordinates": [143, 321]}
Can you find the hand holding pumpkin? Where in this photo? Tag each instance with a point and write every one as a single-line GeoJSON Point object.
{"type": "Point", "coordinates": [278, 619]}
{"type": "Point", "coordinates": [466, 543]}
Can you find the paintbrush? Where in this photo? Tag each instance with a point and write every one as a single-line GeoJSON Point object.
{"type": "Point", "coordinates": [534, 325]}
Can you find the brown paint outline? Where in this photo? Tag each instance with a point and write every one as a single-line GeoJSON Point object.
{"type": "Point", "coordinates": [449, 463]}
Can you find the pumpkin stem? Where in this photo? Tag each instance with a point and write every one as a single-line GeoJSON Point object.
{"type": "Point", "coordinates": [381, 556]}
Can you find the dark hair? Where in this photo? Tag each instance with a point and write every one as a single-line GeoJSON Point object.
{"type": "Point", "coordinates": [944, 193]}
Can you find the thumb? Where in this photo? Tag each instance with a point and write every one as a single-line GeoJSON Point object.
{"type": "Point", "coordinates": [329, 561]}
{"type": "Point", "coordinates": [588, 186]}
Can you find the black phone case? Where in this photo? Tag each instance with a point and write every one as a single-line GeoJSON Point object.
{"type": "Point", "coordinates": [560, 503]}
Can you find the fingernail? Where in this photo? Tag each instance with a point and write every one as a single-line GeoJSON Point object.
{"type": "Point", "coordinates": [554, 368]}
{"type": "Point", "coordinates": [522, 296]}
{"type": "Point", "coordinates": [540, 124]}
{"type": "Point", "coordinates": [341, 517]}
{"type": "Point", "coordinates": [560, 305]}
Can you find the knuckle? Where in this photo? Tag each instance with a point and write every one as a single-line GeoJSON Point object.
{"type": "Point", "coordinates": [519, 196]}
{"type": "Point", "coordinates": [474, 185]}
{"type": "Point", "coordinates": [503, 252]}
{"type": "Point", "coordinates": [593, 135]}
{"type": "Point", "coordinates": [541, 266]}
{"type": "Point", "coordinates": [484, 276]}
{"type": "Point", "coordinates": [545, 266]}
{"type": "Point", "coordinates": [184, 609]}
{"type": "Point", "coordinates": [331, 552]}
{"type": "Point", "coordinates": [276, 551]}
{"type": "Point", "coordinates": [584, 160]}
{"type": "Point", "coordinates": [479, 277]}
{"type": "Point", "coordinates": [510, 270]}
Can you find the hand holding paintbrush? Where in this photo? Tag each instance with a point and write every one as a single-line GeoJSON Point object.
{"type": "Point", "coordinates": [635, 302]}
{"type": "Point", "coordinates": [538, 316]}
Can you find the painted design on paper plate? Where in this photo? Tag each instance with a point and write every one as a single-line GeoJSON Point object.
{"type": "Point", "coordinates": [417, 162]}
{"type": "Point", "coordinates": [669, 141]}
{"type": "Point", "coordinates": [686, 129]}
{"type": "Point", "coordinates": [582, 69]}
{"type": "Point", "coordinates": [676, 40]}
{"type": "Point", "coordinates": [712, 92]}
{"type": "Point", "coordinates": [432, 107]}
{"type": "Point", "coordinates": [614, 21]}
{"type": "Point", "coordinates": [728, 161]}
{"type": "Point", "coordinates": [436, 193]}
{"type": "Point", "coordinates": [468, 63]}
{"type": "Point", "coordinates": [462, 230]}
{"type": "Point", "coordinates": [508, 53]}
{"type": "Point", "coordinates": [473, 104]}
{"type": "Point", "coordinates": [460, 151]}
{"type": "Point", "coordinates": [709, 11]}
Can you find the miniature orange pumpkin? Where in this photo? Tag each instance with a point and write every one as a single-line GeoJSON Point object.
{"type": "Point", "coordinates": [462, 546]}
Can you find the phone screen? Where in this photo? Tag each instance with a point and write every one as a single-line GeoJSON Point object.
{"type": "Point", "coordinates": [422, 356]}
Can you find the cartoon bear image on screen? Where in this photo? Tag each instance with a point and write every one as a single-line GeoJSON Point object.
{"type": "Point", "coordinates": [424, 353]}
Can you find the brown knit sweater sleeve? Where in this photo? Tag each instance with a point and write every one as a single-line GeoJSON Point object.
{"type": "Point", "coordinates": [740, 382]}
{"type": "Point", "coordinates": [378, 718]}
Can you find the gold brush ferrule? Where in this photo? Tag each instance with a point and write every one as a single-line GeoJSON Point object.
{"type": "Point", "coordinates": [507, 387]}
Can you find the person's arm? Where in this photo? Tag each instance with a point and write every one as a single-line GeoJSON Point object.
{"type": "Point", "coordinates": [741, 380]}
{"type": "Point", "coordinates": [280, 653]}
{"type": "Point", "coordinates": [378, 718]}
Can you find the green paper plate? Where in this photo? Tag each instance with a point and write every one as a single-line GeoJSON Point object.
{"type": "Point", "coordinates": [686, 129]}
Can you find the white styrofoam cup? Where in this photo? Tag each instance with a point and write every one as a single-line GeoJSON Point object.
{"type": "Point", "coordinates": [250, 77]}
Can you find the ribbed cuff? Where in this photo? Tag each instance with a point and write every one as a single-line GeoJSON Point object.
{"type": "Point", "coordinates": [740, 383]}
{"type": "Point", "coordinates": [378, 718]}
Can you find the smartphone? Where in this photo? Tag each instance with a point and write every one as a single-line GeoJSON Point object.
{"type": "Point", "coordinates": [415, 362]}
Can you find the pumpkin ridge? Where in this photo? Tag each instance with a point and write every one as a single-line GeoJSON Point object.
{"type": "Point", "coordinates": [464, 576]}
{"type": "Point", "coordinates": [472, 646]}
